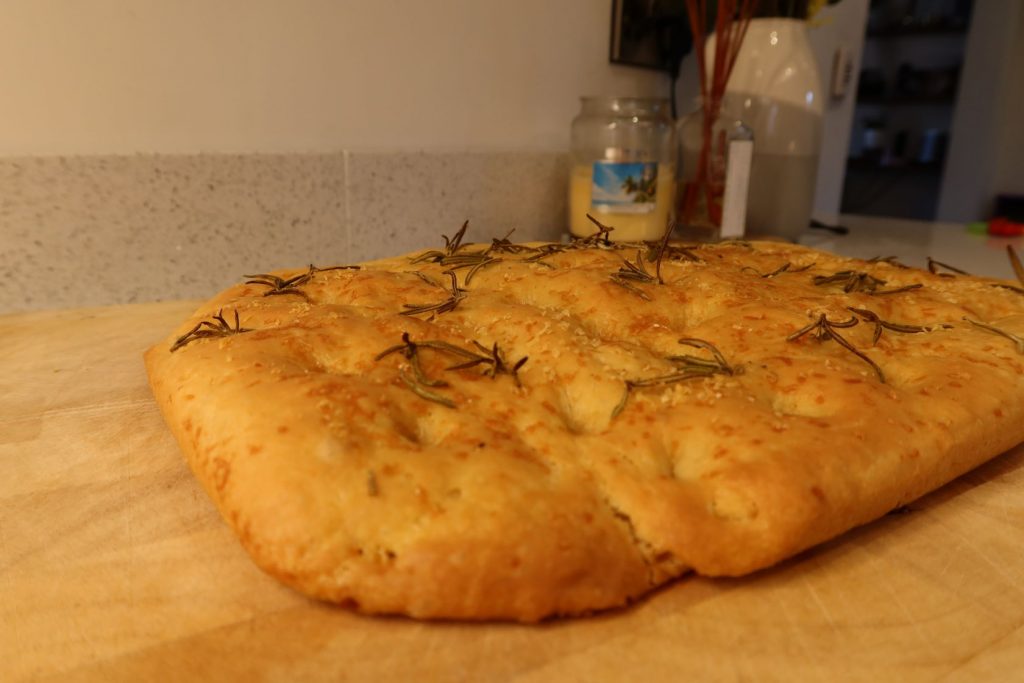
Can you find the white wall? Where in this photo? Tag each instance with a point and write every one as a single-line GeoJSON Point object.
{"type": "Point", "coordinates": [184, 76]}
{"type": "Point", "coordinates": [839, 26]}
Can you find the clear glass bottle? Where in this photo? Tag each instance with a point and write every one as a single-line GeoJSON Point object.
{"type": "Point", "coordinates": [775, 87]}
{"type": "Point", "coordinates": [714, 174]}
{"type": "Point", "coordinates": [623, 167]}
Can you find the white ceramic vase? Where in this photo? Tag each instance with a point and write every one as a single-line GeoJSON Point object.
{"type": "Point", "coordinates": [775, 89]}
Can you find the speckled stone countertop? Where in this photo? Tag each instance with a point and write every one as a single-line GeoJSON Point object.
{"type": "Point", "coordinates": [84, 231]}
{"type": "Point", "coordinates": [89, 231]}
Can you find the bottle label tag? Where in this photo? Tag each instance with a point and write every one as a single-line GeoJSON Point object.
{"type": "Point", "coordinates": [737, 182]}
{"type": "Point", "coordinates": [624, 187]}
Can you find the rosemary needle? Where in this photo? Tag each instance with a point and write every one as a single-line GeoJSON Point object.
{"type": "Point", "coordinates": [424, 393]}
{"type": "Point", "coordinates": [219, 327]}
{"type": "Point", "coordinates": [991, 328]}
{"type": "Point", "coordinates": [825, 329]}
{"type": "Point", "coordinates": [1018, 267]}
{"type": "Point", "coordinates": [688, 367]}
{"type": "Point", "coordinates": [933, 267]}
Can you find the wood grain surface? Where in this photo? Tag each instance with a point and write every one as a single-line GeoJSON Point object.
{"type": "Point", "coordinates": [115, 566]}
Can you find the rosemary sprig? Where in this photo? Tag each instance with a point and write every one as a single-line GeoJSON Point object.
{"type": "Point", "coordinates": [660, 380]}
{"type": "Point", "coordinates": [859, 281]}
{"type": "Point", "coordinates": [410, 350]}
{"type": "Point", "coordinates": [635, 271]}
{"type": "Point", "coordinates": [1018, 270]}
{"type": "Point", "coordinates": [824, 329]}
{"type": "Point", "coordinates": [418, 389]}
{"type": "Point", "coordinates": [492, 357]}
{"type": "Point", "coordinates": [690, 367]}
{"type": "Point", "coordinates": [852, 281]}
{"type": "Point", "coordinates": [409, 347]}
{"type": "Point", "coordinates": [786, 267]}
{"type": "Point", "coordinates": [778, 271]}
{"type": "Point", "coordinates": [504, 246]}
{"type": "Point", "coordinates": [476, 267]}
{"type": "Point", "coordinates": [599, 238]}
{"type": "Point", "coordinates": [621, 405]}
{"type": "Point", "coordinates": [313, 270]}
{"type": "Point", "coordinates": [872, 317]}
{"type": "Point", "coordinates": [426, 278]}
{"type": "Point", "coordinates": [279, 285]}
{"type": "Point", "coordinates": [891, 260]}
{"type": "Point", "coordinates": [449, 304]}
{"type": "Point", "coordinates": [898, 290]}
{"type": "Point", "coordinates": [718, 364]}
{"type": "Point", "coordinates": [661, 250]}
{"type": "Point", "coordinates": [496, 360]}
{"type": "Point", "coordinates": [218, 327]}
{"type": "Point", "coordinates": [991, 328]}
{"type": "Point", "coordinates": [670, 378]}
{"type": "Point", "coordinates": [677, 252]}
{"type": "Point", "coordinates": [451, 247]}
{"type": "Point", "coordinates": [621, 282]}
{"type": "Point", "coordinates": [544, 251]}
{"type": "Point", "coordinates": [1018, 267]}
{"type": "Point", "coordinates": [419, 382]}
{"type": "Point", "coordinates": [933, 268]}
{"type": "Point", "coordinates": [462, 260]}
{"type": "Point", "coordinates": [455, 259]}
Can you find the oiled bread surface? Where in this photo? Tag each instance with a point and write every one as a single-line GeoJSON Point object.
{"type": "Point", "coordinates": [528, 496]}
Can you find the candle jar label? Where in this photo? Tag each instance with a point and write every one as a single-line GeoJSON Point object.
{"type": "Point", "coordinates": [624, 187]}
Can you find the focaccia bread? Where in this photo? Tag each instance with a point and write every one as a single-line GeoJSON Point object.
{"type": "Point", "coordinates": [505, 431]}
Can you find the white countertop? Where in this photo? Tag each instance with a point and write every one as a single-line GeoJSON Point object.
{"type": "Point", "coordinates": [913, 241]}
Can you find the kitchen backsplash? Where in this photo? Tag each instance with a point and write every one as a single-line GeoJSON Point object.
{"type": "Point", "coordinates": [87, 231]}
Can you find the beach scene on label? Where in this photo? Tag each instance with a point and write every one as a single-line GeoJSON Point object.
{"type": "Point", "coordinates": [624, 187]}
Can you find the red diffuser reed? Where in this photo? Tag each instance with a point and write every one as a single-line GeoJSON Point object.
{"type": "Point", "coordinates": [708, 183]}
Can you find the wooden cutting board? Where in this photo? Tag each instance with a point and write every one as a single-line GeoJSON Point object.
{"type": "Point", "coordinates": [115, 565]}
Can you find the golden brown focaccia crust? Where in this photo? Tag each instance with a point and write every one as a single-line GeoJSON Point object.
{"type": "Point", "coordinates": [447, 478]}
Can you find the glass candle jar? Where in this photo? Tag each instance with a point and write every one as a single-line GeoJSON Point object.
{"type": "Point", "coordinates": [623, 167]}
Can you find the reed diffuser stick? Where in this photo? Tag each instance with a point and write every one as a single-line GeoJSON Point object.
{"type": "Point", "coordinates": [732, 18]}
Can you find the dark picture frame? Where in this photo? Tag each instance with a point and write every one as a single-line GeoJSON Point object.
{"type": "Point", "coordinates": [649, 34]}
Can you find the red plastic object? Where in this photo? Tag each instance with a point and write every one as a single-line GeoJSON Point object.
{"type": "Point", "coordinates": [1004, 227]}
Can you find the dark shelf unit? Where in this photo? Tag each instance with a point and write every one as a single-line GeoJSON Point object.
{"type": "Point", "coordinates": [907, 100]}
{"type": "Point", "coordinates": [873, 166]}
{"type": "Point", "coordinates": [905, 31]}
{"type": "Point", "coordinates": [906, 191]}
{"type": "Point", "coordinates": [908, 188]}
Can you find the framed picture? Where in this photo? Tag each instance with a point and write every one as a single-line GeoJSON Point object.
{"type": "Point", "coordinates": [651, 34]}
